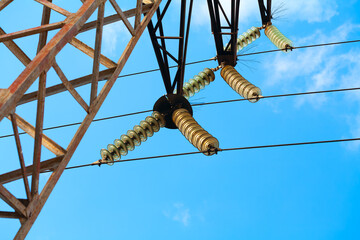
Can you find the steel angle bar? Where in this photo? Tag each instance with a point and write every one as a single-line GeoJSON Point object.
{"type": "Point", "coordinates": [42, 62]}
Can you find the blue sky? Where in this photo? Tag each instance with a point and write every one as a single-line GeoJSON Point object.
{"type": "Point", "coordinates": [305, 192]}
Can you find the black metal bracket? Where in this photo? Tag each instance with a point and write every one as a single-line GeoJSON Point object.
{"type": "Point", "coordinates": [265, 12]}
{"type": "Point", "coordinates": [163, 55]}
{"type": "Point", "coordinates": [167, 104]}
{"type": "Point", "coordinates": [226, 54]}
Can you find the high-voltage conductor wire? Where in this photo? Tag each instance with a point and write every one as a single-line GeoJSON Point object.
{"type": "Point", "coordinates": [219, 150]}
{"type": "Point", "coordinates": [300, 47]}
{"type": "Point", "coordinates": [198, 104]}
{"type": "Point", "coordinates": [206, 60]}
{"type": "Point", "coordinates": [247, 54]}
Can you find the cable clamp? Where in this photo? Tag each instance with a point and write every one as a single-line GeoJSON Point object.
{"type": "Point", "coordinates": [212, 150]}
{"type": "Point", "coordinates": [217, 68]}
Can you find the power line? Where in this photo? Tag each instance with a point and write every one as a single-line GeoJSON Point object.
{"type": "Point", "coordinates": [248, 54]}
{"type": "Point", "coordinates": [227, 101]}
{"type": "Point", "coordinates": [300, 47]}
{"type": "Point", "coordinates": [219, 150]}
{"type": "Point", "coordinates": [206, 60]}
{"type": "Point", "coordinates": [198, 104]}
{"type": "Point", "coordinates": [158, 69]}
{"type": "Point", "coordinates": [78, 123]}
{"type": "Point", "coordinates": [281, 95]}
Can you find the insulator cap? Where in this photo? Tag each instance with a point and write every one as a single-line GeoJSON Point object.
{"type": "Point", "coordinates": [247, 37]}
{"type": "Point", "coordinates": [278, 39]}
{"type": "Point", "coordinates": [193, 132]}
{"type": "Point", "coordinates": [132, 138]}
{"type": "Point", "coordinates": [242, 86]}
{"type": "Point", "coordinates": [167, 104]}
{"type": "Point", "coordinates": [198, 82]}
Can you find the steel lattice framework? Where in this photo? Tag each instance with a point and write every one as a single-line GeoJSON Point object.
{"type": "Point", "coordinates": [28, 209]}
{"type": "Point", "coordinates": [74, 23]}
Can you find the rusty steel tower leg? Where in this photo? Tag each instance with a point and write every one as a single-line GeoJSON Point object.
{"type": "Point", "coordinates": [27, 210]}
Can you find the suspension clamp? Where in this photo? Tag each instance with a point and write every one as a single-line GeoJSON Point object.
{"type": "Point", "coordinates": [167, 104]}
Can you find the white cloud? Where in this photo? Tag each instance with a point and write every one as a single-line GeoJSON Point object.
{"type": "Point", "coordinates": [314, 69]}
{"type": "Point", "coordinates": [351, 79]}
{"type": "Point", "coordinates": [248, 8]}
{"type": "Point", "coordinates": [354, 122]}
{"type": "Point", "coordinates": [112, 34]}
{"type": "Point", "coordinates": [320, 68]}
{"type": "Point", "coordinates": [311, 10]}
{"type": "Point", "coordinates": [179, 213]}
{"type": "Point", "coordinates": [317, 67]}
{"type": "Point", "coordinates": [293, 10]}
{"type": "Point", "coordinates": [201, 16]}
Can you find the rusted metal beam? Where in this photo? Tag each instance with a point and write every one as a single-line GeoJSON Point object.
{"type": "Point", "coordinates": [46, 141]}
{"type": "Point", "coordinates": [123, 59]}
{"type": "Point", "coordinates": [40, 109]}
{"type": "Point", "coordinates": [90, 52]}
{"type": "Point", "coordinates": [38, 134]}
{"type": "Point", "coordinates": [55, 7]}
{"type": "Point", "coordinates": [4, 95]}
{"type": "Point", "coordinates": [12, 201]}
{"type": "Point", "coordinates": [14, 215]}
{"type": "Point", "coordinates": [21, 156]}
{"type": "Point", "coordinates": [103, 75]}
{"type": "Point", "coordinates": [49, 186]}
{"type": "Point", "coordinates": [70, 87]}
{"type": "Point", "coordinates": [4, 3]}
{"type": "Point", "coordinates": [14, 48]}
{"type": "Point", "coordinates": [115, 18]}
{"type": "Point", "coordinates": [138, 13]}
{"type": "Point", "coordinates": [31, 31]}
{"type": "Point", "coordinates": [42, 62]}
{"type": "Point", "coordinates": [123, 17]}
{"type": "Point", "coordinates": [50, 164]}
{"type": "Point", "coordinates": [44, 22]}
{"type": "Point", "coordinates": [97, 53]}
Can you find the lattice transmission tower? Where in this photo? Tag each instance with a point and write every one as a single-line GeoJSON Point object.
{"type": "Point", "coordinates": [171, 110]}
